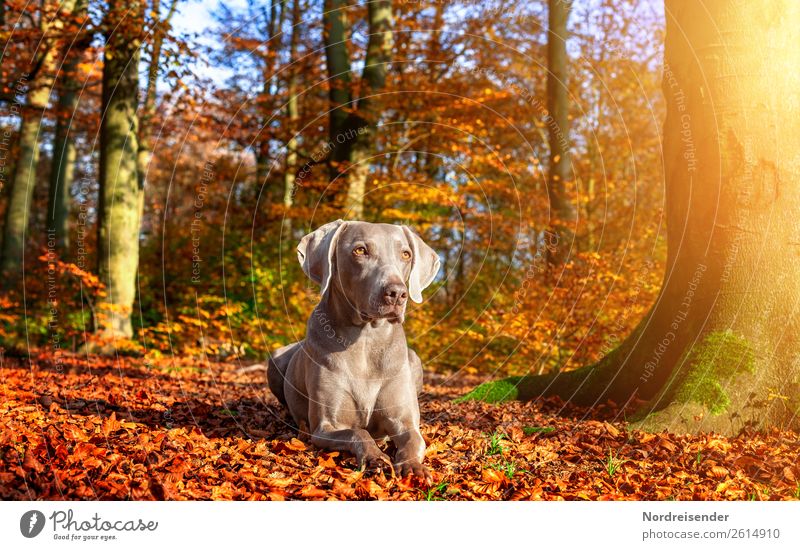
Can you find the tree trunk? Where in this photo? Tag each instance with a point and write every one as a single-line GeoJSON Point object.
{"type": "Point", "coordinates": [277, 12]}
{"type": "Point", "coordinates": [21, 193]}
{"type": "Point", "coordinates": [148, 110]}
{"type": "Point", "coordinates": [338, 63]}
{"type": "Point", "coordinates": [120, 193]}
{"type": "Point", "coordinates": [563, 214]}
{"type": "Point", "coordinates": [352, 125]}
{"type": "Point", "coordinates": [373, 80]}
{"type": "Point", "coordinates": [262, 163]}
{"type": "Point", "coordinates": [63, 165]}
{"type": "Point", "coordinates": [718, 351]}
{"type": "Point", "coordinates": [24, 180]}
{"type": "Point", "coordinates": [61, 174]}
{"type": "Point", "coordinates": [293, 115]}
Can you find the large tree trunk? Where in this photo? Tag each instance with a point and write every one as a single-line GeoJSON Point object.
{"type": "Point", "coordinates": [63, 165]}
{"type": "Point", "coordinates": [563, 213]}
{"type": "Point", "coordinates": [719, 349]}
{"type": "Point", "coordinates": [24, 180]}
{"type": "Point", "coordinates": [120, 193]}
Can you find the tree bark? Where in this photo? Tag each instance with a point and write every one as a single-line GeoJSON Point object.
{"type": "Point", "coordinates": [20, 195]}
{"type": "Point", "coordinates": [292, 114]}
{"type": "Point", "coordinates": [63, 165]}
{"type": "Point", "coordinates": [373, 80]}
{"type": "Point", "coordinates": [338, 63]}
{"type": "Point", "coordinates": [148, 110]}
{"type": "Point", "coordinates": [120, 193]}
{"type": "Point", "coordinates": [718, 350]}
{"type": "Point", "coordinates": [563, 213]}
{"type": "Point", "coordinates": [24, 180]}
{"type": "Point", "coordinates": [277, 13]}
{"type": "Point", "coordinates": [352, 124]}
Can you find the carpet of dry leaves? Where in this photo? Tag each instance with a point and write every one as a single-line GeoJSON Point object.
{"type": "Point", "coordinates": [99, 428]}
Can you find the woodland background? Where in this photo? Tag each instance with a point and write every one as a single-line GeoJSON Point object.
{"type": "Point", "coordinates": [233, 119]}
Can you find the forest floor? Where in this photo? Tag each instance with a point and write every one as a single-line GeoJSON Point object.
{"type": "Point", "coordinates": [99, 428]}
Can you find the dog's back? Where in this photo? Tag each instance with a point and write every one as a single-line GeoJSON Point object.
{"type": "Point", "coordinates": [276, 369]}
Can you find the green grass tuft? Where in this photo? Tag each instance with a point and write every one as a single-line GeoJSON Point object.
{"type": "Point", "coordinates": [509, 468]}
{"type": "Point", "coordinates": [530, 430]}
{"type": "Point", "coordinates": [436, 493]}
{"type": "Point", "coordinates": [612, 464]}
{"type": "Point", "coordinates": [494, 444]}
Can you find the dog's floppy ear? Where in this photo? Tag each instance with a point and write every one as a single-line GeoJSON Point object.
{"type": "Point", "coordinates": [424, 265]}
{"type": "Point", "coordinates": [315, 253]}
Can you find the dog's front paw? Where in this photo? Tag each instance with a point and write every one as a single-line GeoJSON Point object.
{"type": "Point", "coordinates": [413, 467]}
{"type": "Point", "coordinates": [377, 461]}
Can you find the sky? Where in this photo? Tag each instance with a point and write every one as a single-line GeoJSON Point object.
{"type": "Point", "coordinates": [195, 18]}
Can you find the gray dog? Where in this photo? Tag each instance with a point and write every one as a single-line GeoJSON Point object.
{"type": "Point", "coordinates": [354, 380]}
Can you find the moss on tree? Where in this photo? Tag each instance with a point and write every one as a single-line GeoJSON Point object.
{"type": "Point", "coordinates": [720, 356]}
{"type": "Point", "coordinates": [496, 391]}
{"type": "Point", "coordinates": [700, 382]}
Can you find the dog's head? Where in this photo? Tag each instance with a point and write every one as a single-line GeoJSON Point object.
{"type": "Point", "coordinates": [375, 267]}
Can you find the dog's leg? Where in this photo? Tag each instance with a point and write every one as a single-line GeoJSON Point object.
{"type": "Point", "coordinates": [410, 453]}
{"type": "Point", "coordinates": [356, 441]}
{"type": "Point", "coordinates": [416, 369]}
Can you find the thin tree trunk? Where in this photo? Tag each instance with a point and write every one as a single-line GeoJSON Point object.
{"type": "Point", "coordinates": [120, 193]}
{"type": "Point", "coordinates": [293, 115]}
{"type": "Point", "coordinates": [718, 351]}
{"type": "Point", "coordinates": [63, 165]}
{"type": "Point", "coordinates": [276, 16]}
{"type": "Point", "coordinates": [148, 110]}
{"type": "Point", "coordinates": [563, 213]}
{"type": "Point", "coordinates": [22, 185]}
{"type": "Point", "coordinates": [435, 64]}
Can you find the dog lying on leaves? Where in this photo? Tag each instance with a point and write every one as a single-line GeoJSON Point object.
{"type": "Point", "coordinates": [353, 380]}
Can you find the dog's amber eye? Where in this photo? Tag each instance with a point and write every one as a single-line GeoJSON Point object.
{"type": "Point", "coordinates": [360, 251]}
{"type": "Point", "coordinates": [406, 255]}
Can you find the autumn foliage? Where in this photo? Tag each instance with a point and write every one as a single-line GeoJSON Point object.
{"type": "Point", "coordinates": [128, 429]}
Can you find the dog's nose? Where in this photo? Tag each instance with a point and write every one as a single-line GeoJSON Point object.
{"type": "Point", "coordinates": [395, 294]}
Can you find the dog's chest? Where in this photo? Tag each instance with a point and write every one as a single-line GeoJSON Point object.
{"type": "Point", "coordinates": [364, 395]}
{"type": "Point", "coordinates": [362, 379]}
